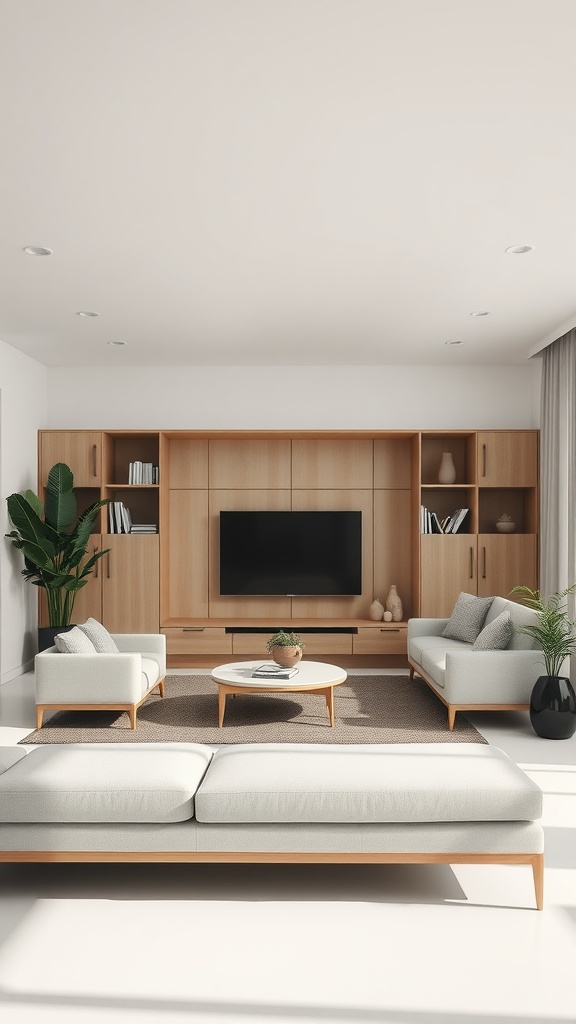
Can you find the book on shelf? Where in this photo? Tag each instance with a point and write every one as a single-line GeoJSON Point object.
{"type": "Point", "coordinates": [143, 473]}
{"type": "Point", "coordinates": [119, 518]}
{"type": "Point", "coordinates": [431, 523]}
{"type": "Point", "coordinates": [143, 528]}
{"type": "Point", "coordinates": [273, 671]}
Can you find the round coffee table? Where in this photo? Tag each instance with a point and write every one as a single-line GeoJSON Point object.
{"type": "Point", "coordinates": [312, 677]}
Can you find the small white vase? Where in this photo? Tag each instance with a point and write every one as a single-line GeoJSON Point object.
{"type": "Point", "coordinates": [447, 471]}
{"type": "Point", "coordinates": [376, 610]}
{"type": "Point", "coordinates": [394, 604]}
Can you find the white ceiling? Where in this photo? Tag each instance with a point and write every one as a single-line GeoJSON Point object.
{"type": "Point", "coordinates": [287, 181]}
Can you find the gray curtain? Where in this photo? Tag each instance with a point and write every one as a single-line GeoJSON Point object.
{"type": "Point", "coordinates": [558, 467]}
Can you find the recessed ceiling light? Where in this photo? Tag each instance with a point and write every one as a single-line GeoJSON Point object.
{"type": "Point", "coordinates": [87, 312]}
{"type": "Point", "coordinates": [452, 342]}
{"type": "Point", "coordinates": [37, 250]}
{"type": "Point", "coordinates": [481, 312]}
{"type": "Point", "coordinates": [117, 344]}
{"type": "Point", "coordinates": [517, 250]}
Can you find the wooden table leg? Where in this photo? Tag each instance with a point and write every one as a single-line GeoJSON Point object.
{"type": "Point", "coordinates": [329, 695]}
{"type": "Point", "coordinates": [221, 705]}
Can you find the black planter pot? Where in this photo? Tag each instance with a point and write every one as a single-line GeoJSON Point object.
{"type": "Point", "coordinates": [46, 635]}
{"type": "Point", "coordinates": [553, 708]}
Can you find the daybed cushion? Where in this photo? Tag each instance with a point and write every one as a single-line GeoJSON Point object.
{"type": "Point", "coordinates": [104, 782]}
{"type": "Point", "coordinates": [10, 756]}
{"type": "Point", "coordinates": [74, 641]}
{"type": "Point", "coordinates": [100, 637]}
{"type": "Point", "coordinates": [355, 783]}
{"type": "Point", "coordinates": [467, 617]}
{"type": "Point", "coordinates": [496, 635]}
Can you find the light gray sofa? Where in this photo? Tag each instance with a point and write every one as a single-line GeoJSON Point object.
{"type": "Point", "coordinates": [468, 680]}
{"type": "Point", "coordinates": [101, 682]}
{"type": "Point", "coordinates": [394, 803]}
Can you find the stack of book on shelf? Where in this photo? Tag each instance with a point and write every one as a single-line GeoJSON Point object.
{"type": "Point", "coordinates": [430, 523]}
{"type": "Point", "coordinates": [144, 528]}
{"type": "Point", "coordinates": [119, 518]}
{"type": "Point", "coordinates": [273, 671]}
{"type": "Point", "coordinates": [142, 473]}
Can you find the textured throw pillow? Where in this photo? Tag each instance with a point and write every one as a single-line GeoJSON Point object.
{"type": "Point", "coordinates": [74, 642]}
{"type": "Point", "coordinates": [467, 618]}
{"type": "Point", "coordinates": [496, 635]}
{"type": "Point", "coordinates": [99, 636]}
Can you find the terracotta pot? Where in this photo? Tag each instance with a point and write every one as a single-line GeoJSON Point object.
{"type": "Point", "coordinates": [287, 656]}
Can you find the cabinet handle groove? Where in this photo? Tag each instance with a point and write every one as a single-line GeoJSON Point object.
{"type": "Point", "coordinates": [94, 465]}
{"type": "Point", "coordinates": [483, 460]}
{"type": "Point", "coordinates": [95, 564]}
{"type": "Point", "coordinates": [483, 563]}
{"type": "Point", "coordinates": [108, 565]}
{"type": "Point", "coordinates": [391, 629]}
{"type": "Point", "coordinates": [192, 629]}
{"type": "Point", "coordinates": [471, 563]}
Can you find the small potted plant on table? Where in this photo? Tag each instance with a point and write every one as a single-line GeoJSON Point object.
{"type": "Point", "coordinates": [285, 648]}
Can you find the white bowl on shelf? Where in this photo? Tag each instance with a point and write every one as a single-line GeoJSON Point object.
{"type": "Point", "coordinates": [505, 526]}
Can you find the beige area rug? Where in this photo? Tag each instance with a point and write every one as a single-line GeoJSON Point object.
{"type": "Point", "coordinates": [368, 709]}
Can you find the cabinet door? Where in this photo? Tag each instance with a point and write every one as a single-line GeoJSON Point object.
{"type": "Point", "coordinates": [447, 566]}
{"type": "Point", "coordinates": [508, 458]}
{"type": "Point", "coordinates": [506, 561]}
{"type": "Point", "coordinates": [131, 584]}
{"type": "Point", "coordinates": [81, 450]}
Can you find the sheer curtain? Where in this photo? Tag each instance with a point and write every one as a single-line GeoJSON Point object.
{"type": "Point", "coordinates": [558, 466]}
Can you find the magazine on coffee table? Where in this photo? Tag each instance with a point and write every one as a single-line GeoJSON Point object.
{"type": "Point", "coordinates": [273, 671]}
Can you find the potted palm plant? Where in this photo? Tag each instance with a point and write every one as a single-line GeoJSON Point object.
{"type": "Point", "coordinates": [54, 543]}
{"type": "Point", "coordinates": [285, 648]}
{"type": "Point", "coordinates": [553, 701]}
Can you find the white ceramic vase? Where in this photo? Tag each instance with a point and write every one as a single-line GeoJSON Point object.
{"type": "Point", "coordinates": [394, 604]}
{"type": "Point", "coordinates": [376, 610]}
{"type": "Point", "coordinates": [447, 471]}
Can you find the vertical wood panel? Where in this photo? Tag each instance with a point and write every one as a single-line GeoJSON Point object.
{"type": "Point", "coordinates": [330, 464]}
{"type": "Point", "coordinates": [393, 462]}
{"type": "Point", "coordinates": [187, 462]}
{"type": "Point", "coordinates": [186, 545]}
{"type": "Point", "coordinates": [246, 464]}
{"type": "Point", "coordinates": [131, 584]}
{"type": "Point", "coordinates": [392, 546]}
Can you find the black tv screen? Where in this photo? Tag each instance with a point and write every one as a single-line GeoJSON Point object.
{"type": "Point", "coordinates": [290, 553]}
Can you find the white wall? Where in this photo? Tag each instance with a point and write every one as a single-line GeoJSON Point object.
{"type": "Point", "coordinates": [309, 397]}
{"type": "Point", "coordinates": [23, 384]}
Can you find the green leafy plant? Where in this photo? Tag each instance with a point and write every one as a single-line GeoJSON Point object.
{"type": "Point", "coordinates": [555, 631]}
{"type": "Point", "coordinates": [284, 639]}
{"type": "Point", "coordinates": [54, 542]}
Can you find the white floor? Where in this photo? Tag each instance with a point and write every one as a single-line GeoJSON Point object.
{"type": "Point", "coordinates": [276, 944]}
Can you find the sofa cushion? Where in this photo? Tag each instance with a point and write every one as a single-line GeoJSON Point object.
{"type": "Point", "coordinates": [99, 782]}
{"type": "Point", "coordinates": [74, 641]}
{"type": "Point", "coordinates": [496, 635]}
{"type": "Point", "coordinates": [9, 756]}
{"type": "Point", "coordinates": [521, 616]}
{"type": "Point", "coordinates": [467, 617]}
{"type": "Point", "coordinates": [99, 635]}
{"type": "Point", "coordinates": [435, 647]}
{"type": "Point", "coordinates": [358, 783]}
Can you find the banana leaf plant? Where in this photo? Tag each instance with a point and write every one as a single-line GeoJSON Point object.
{"type": "Point", "coordinates": [54, 541]}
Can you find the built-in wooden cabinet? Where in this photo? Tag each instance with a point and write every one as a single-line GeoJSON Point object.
{"type": "Point", "coordinates": [169, 580]}
{"type": "Point", "coordinates": [496, 474]}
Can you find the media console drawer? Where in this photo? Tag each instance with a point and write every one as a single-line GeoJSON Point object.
{"type": "Point", "coordinates": [197, 640]}
{"type": "Point", "coordinates": [381, 640]}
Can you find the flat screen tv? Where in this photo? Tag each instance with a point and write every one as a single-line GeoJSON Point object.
{"type": "Point", "coordinates": [291, 553]}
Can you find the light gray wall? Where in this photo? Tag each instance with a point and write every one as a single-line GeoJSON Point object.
{"type": "Point", "coordinates": [23, 384]}
{"type": "Point", "coordinates": [309, 397]}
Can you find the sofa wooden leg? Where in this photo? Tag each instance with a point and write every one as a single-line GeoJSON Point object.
{"type": "Point", "coordinates": [161, 687]}
{"type": "Point", "coordinates": [538, 872]}
{"type": "Point", "coordinates": [39, 717]}
{"type": "Point", "coordinates": [411, 671]}
{"type": "Point", "coordinates": [451, 717]}
{"type": "Point", "coordinates": [132, 713]}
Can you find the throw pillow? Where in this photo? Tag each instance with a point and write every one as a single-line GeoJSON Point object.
{"type": "Point", "coordinates": [467, 618]}
{"type": "Point", "coordinates": [496, 635]}
{"type": "Point", "coordinates": [99, 636]}
{"type": "Point", "coordinates": [74, 642]}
